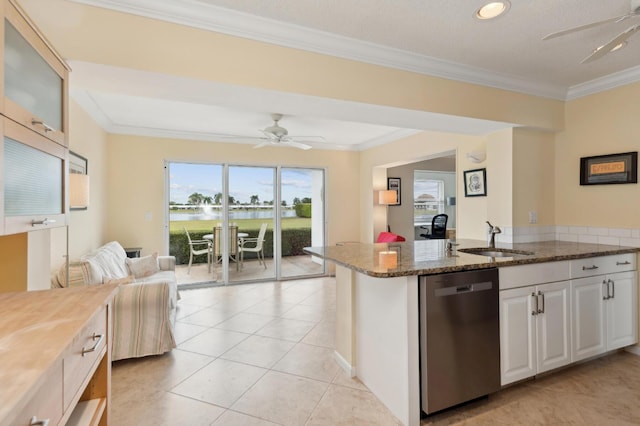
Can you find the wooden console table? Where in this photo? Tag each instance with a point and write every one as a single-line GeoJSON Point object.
{"type": "Point", "coordinates": [55, 356]}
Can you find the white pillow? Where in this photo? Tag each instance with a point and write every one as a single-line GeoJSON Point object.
{"type": "Point", "coordinates": [141, 267]}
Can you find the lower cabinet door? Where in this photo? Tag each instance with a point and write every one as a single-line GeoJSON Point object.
{"type": "Point", "coordinates": [622, 310]}
{"type": "Point", "coordinates": [553, 326]}
{"type": "Point", "coordinates": [587, 296]}
{"type": "Point", "coordinates": [517, 334]}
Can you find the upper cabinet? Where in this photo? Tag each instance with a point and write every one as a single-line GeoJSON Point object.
{"type": "Point", "coordinates": [33, 147]}
{"type": "Point", "coordinates": [34, 77]}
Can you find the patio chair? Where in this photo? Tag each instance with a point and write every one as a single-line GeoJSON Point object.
{"type": "Point", "coordinates": [197, 252]}
{"type": "Point", "coordinates": [233, 244]}
{"type": "Point", "coordinates": [257, 246]}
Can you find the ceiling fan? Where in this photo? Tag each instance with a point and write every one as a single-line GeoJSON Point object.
{"type": "Point", "coordinates": [278, 135]}
{"type": "Point", "coordinates": [612, 44]}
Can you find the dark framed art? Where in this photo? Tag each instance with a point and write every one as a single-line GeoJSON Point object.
{"type": "Point", "coordinates": [475, 183]}
{"type": "Point", "coordinates": [394, 185]}
{"type": "Point", "coordinates": [609, 169]}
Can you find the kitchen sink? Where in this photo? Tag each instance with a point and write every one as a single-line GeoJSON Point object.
{"type": "Point", "coordinates": [496, 252]}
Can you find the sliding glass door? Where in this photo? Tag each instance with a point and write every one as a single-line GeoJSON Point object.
{"type": "Point", "coordinates": [251, 209]}
{"type": "Point", "coordinates": [236, 223]}
{"type": "Point", "coordinates": [302, 220]}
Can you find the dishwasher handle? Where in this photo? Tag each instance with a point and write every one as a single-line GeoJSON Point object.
{"type": "Point", "coordinates": [463, 289]}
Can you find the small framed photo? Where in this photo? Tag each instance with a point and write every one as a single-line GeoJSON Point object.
{"type": "Point", "coordinates": [609, 169]}
{"type": "Point", "coordinates": [394, 185]}
{"type": "Point", "coordinates": [475, 183]}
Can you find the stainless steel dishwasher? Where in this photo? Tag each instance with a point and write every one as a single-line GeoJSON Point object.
{"type": "Point", "coordinates": [459, 338]}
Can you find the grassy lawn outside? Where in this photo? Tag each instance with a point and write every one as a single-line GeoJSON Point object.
{"type": "Point", "coordinates": [202, 225]}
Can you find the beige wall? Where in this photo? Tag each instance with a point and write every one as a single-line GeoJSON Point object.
{"type": "Point", "coordinates": [533, 177]}
{"type": "Point", "coordinates": [136, 208]}
{"type": "Point", "coordinates": [145, 44]}
{"type": "Point", "coordinates": [87, 228]}
{"type": "Point", "coordinates": [499, 165]}
{"type": "Point", "coordinates": [604, 123]}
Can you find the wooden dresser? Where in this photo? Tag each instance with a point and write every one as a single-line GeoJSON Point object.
{"type": "Point", "coordinates": [55, 356]}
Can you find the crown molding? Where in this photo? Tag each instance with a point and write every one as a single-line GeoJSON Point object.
{"type": "Point", "coordinates": [203, 16]}
{"type": "Point", "coordinates": [611, 81]}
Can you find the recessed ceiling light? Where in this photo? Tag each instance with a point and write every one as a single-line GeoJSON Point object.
{"type": "Point", "coordinates": [493, 9]}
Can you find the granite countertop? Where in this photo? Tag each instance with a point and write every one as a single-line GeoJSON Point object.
{"type": "Point", "coordinates": [429, 257]}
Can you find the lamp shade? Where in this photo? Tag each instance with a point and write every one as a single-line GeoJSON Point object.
{"type": "Point", "coordinates": [78, 191]}
{"type": "Point", "coordinates": [388, 197]}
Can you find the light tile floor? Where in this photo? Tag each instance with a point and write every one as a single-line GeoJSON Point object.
{"type": "Point", "coordinates": [252, 270]}
{"type": "Point", "coordinates": [262, 354]}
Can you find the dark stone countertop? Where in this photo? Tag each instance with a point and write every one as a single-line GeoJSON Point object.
{"type": "Point", "coordinates": [430, 257]}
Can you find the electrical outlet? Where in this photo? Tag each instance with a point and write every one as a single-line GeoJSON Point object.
{"type": "Point", "coordinates": [533, 217]}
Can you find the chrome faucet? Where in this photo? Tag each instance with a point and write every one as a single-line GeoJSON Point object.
{"type": "Point", "coordinates": [491, 237]}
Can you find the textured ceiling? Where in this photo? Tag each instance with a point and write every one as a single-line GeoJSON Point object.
{"type": "Point", "coordinates": [437, 37]}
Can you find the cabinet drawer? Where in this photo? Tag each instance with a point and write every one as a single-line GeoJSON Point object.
{"type": "Point", "coordinates": [84, 355]}
{"type": "Point", "coordinates": [524, 275]}
{"type": "Point", "coordinates": [46, 403]}
{"type": "Point", "coordinates": [603, 265]}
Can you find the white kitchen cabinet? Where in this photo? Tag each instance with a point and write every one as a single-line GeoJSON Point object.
{"type": "Point", "coordinates": [604, 305]}
{"type": "Point", "coordinates": [535, 330]}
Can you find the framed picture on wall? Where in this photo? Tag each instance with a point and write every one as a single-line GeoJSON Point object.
{"type": "Point", "coordinates": [394, 185]}
{"type": "Point", "coordinates": [609, 169]}
{"type": "Point", "coordinates": [475, 183]}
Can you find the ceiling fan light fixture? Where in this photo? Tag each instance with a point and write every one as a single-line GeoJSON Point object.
{"type": "Point", "coordinates": [618, 46]}
{"type": "Point", "coordinates": [613, 49]}
{"type": "Point", "coordinates": [492, 10]}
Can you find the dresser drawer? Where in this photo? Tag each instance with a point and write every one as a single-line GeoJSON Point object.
{"type": "Point", "coordinates": [603, 265]}
{"type": "Point", "coordinates": [46, 403]}
{"type": "Point", "coordinates": [84, 354]}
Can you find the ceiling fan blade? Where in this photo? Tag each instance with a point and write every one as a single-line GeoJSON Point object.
{"type": "Point", "coordinates": [606, 48]}
{"type": "Point", "coordinates": [263, 144]}
{"type": "Point", "coordinates": [591, 25]}
{"type": "Point", "coordinates": [315, 138]}
{"type": "Point", "coordinates": [296, 144]}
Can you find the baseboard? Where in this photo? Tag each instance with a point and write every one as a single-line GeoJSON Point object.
{"type": "Point", "coordinates": [348, 368]}
{"type": "Point", "coordinates": [633, 349]}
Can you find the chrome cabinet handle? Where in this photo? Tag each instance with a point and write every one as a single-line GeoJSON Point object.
{"type": "Point", "coordinates": [43, 222]}
{"type": "Point", "coordinates": [535, 310]}
{"type": "Point", "coordinates": [613, 289]}
{"type": "Point", "coordinates": [589, 268]}
{"type": "Point", "coordinates": [540, 294]}
{"type": "Point", "coordinates": [97, 337]}
{"type": "Point", "coordinates": [626, 262]}
{"type": "Point", "coordinates": [36, 422]}
{"type": "Point", "coordinates": [604, 283]}
{"type": "Point", "coordinates": [46, 127]}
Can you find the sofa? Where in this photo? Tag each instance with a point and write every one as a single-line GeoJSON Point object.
{"type": "Point", "coordinates": [144, 309]}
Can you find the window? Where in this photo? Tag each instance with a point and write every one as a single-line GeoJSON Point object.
{"type": "Point", "coordinates": [428, 199]}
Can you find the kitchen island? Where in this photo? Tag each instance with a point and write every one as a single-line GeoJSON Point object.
{"type": "Point", "coordinates": [377, 315]}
